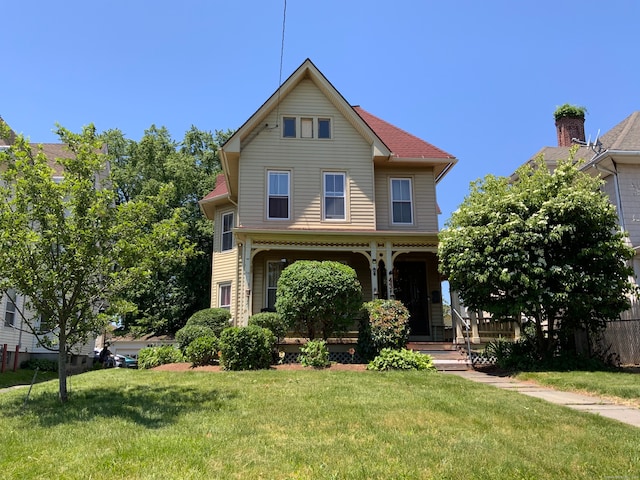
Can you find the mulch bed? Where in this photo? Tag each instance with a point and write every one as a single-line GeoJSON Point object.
{"type": "Point", "coordinates": [186, 367]}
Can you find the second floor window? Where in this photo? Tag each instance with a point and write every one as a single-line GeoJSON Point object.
{"type": "Point", "coordinates": [278, 195]}
{"type": "Point", "coordinates": [334, 196]}
{"type": "Point", "coordinates": [10, 308]}
{"type": "Point", "coordinates": [401, 203]}
{"type": "Point", "coordinates": [227, 234]}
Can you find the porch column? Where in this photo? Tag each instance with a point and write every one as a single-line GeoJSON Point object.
{"type": "Point", "coordinates": [475, 335]}
{"type": "Point", "coordinates": [458, 328]}
{"type": "Point", "coordinates": [388, 261]}
{"type": "Point", "coordinates": [247, 294]}
{"type": "Point", "coordinates": [374, 270]}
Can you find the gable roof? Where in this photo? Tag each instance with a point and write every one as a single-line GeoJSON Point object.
{"type": "Point", "coordinates": [401, 143]}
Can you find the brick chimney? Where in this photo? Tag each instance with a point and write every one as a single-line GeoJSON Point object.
{"type": "Point", "coordinates": [569, 128]}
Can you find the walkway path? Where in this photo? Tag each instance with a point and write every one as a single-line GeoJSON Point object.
{"type": "Point", "coordinates": [585, 403]}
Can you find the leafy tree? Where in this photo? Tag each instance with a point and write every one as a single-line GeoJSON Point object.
{"type": "Point", "coordinates": [319, 298]}
{"type": "Point", "coordinates": [547, 246]}
{"type": "Point", "coordinates": [68, 248]}
{"type": "Point", "coordinates": [187, 170]}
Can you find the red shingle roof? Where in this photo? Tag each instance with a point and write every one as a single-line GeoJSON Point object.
{"type": "Point", "coordinates": [221, 187]}
{"type": "Point", "coordinates": [402, 144]}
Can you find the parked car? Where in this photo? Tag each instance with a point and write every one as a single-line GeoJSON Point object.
{"type": "Point", "coordinates": [125, 361]}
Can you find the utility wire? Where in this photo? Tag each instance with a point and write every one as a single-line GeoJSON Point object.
{"type": "Point", "coordinates": [284, 22]}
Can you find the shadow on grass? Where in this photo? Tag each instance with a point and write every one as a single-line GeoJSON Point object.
{"type": "Point", "coordinates": [146, 405]}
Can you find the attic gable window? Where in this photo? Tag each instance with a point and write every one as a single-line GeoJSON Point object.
{"type": "Point", "coordinates": [289, 127]}
{"type": "Point", "coordinates": [306, 127]}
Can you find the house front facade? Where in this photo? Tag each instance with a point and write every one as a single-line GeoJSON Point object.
{"type": "Point", "coordinates": [310, 177]}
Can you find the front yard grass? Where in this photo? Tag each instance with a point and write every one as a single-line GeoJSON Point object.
{"type": "Point", "coordinates": [316, 424]}
{"type": "Point", "coordinates": [622, 385]}
{"type": "Point", "coordinates": [24, 377]}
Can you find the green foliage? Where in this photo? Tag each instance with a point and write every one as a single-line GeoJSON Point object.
{"type": "Point", "coordinates": [315, 354]}
{"type": "Point", "coordinates": [152, 357]}
{"type": "Point", "coordinates": [246, 348]}
{"type": "Point", "coordinates": [203, 351]}
{"type": "Point", "coordinates": [568, 110]}
{"type": "Point", "coordinates": [272, 321]}
{"type": "Point", "coordinates": [547, 246]}
{"type": "Point", "coordinates": [386, 325]}
{"type": "Point", "coordinates": [41, 364]}
{"type": "Point", "coordinates": [189, 333]}
{"type": "Point", "coordinates": [318, 298]}
{"type": "Point", "coordinates": [182, 173]}
{"type": "Point", "coordinates": [401, 359]}
{"type": "Point", "coordinates": [217, 319]}
{"type": "Point", "coordinates": [68, 248]}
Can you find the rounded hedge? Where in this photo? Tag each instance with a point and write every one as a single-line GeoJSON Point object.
{"type": "Point", "coordinates": [202, 351]}
{"type": "Point", "coordinates": [272, 321]}
{"type": "Point", "coordinates": [385, 325]}
{"type": "Point", "coordinates": [217, 319]}
{"type": "Point", "coordinates": [246, 348]}
{"type": "Point", "coordinates": [189, 333]}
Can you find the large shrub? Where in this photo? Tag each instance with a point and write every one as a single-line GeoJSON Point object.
{"type": "Point", "coordinates": [318, 298]}
{"type": "Point", "coordinates": [315, 354]}
{"type": "Point", "coordinates": [384, 325]}
{"type": "Point", "coordinates": [189, 333]}
{"type": "Point", "coordinates": [246, 348]}
{"type": "Point", "coordinates": [272, 321]}
{"type": "Point", "coordinates": [403, 359]}
{"type": "Point", "coordinates": [202, 351]}
{"type": "Point", "coordinates": [217, 319]}
{"type": "Point", "coordinates": [151, 357]}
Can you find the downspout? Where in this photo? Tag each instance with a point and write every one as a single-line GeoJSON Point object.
{"type": "Point", "coordinates": [616, 185]}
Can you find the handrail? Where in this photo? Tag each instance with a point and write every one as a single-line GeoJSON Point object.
{"type": "Point", "coordinates": [466, 326]}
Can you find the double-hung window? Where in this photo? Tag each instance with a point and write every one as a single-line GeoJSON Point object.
{"type": "Point", "coordinates": [278, 195]}
{"type": "Point", "coordinates": [10, 308]}
{"type": "Point", "coordinates": [224, 297]}
{"type": "Point", "coordinates": [401, 201]}
{"type": "Point", "coordinates": [334, 196]}
{"type": "Point", "coordinates": [227, 234]}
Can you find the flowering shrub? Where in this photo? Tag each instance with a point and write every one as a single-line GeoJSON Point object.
{"type": "Point", "coordinates": [385, 325]}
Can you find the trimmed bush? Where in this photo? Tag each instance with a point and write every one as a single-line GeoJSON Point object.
{"type": "Point", "coordinates": [318, 299]}
{"type": "Point", "coordinates": [403, 359]}
{"type": "Point", "coordinates": [189, 333]}
{"type": "Point", "coordinates": [151, 357]}
{"type": "Point", "coordinates": [217, 319]}
{"type": "Point", "coordinates": [41, 364]}
{"type": "Point", "coordinates": [315, 354]}
{"type": "Point", "coordinates": [246, 348]}
{"type": "Point", "coordinates": [385, 325]}
{"type": "Point", "coordinates": [202, 351]}
{"type": "Point", "coordinates": [272, 321]}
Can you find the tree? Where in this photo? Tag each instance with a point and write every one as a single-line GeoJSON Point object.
{"type": "Point", "coordinates": [319, 298]}
{"type": "Point", "coordinates": [547, 246]}
{"type": "Point", "coordinates": [188, 170]}
{"type": "Point", "coordinates": [68, 248]}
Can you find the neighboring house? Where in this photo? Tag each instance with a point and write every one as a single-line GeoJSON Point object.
{"type": "Point", "coordinates": [308, 176]}
{"type": "Point", "coordinates": [614, 157]}
{"type": "Point", "coordinates": [13, 330]}
{"type": "Point", "coordinates": [130, 344]}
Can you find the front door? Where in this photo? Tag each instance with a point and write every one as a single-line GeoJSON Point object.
{"type": "Point", "coordinates": [410, 287]}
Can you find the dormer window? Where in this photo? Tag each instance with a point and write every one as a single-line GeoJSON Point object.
{"type": "Point", "coordinates": [306, 127]}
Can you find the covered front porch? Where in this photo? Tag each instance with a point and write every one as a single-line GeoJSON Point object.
{"type": "Point", "coordinates": [393, 265]}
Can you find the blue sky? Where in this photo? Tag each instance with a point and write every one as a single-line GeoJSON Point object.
{"type": "Point", "coordinates": [479, 79]}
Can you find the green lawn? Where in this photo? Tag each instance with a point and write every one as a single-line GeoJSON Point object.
{"type": "Point", "coordinates": [624, 385]}
{"type": "Point", "coordinates": [316, 424]}
{"type": "Point", "coordinates": [23, 377]}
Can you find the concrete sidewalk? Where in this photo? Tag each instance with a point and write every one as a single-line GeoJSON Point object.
{"type": "Point", "coordinates": [585, 403]}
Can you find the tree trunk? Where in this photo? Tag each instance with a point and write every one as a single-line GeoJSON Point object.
{"type": "Point", "coordinates": [62, 366]}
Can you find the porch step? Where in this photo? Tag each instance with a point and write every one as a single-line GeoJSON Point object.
{"type": "Point", "coordinates": [446, 356]}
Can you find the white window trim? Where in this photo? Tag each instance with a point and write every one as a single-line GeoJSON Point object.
{"type": "Point", "coordinates": [230, 232]}
{"type": "Point", "coordinates": [220, 287]}
{"type": "Point", "coordinates": [344, 197]}
{"type": "Point", "coordinates": [411, 203]}
{"type": "Point", "coordinates": [14, 310]}
{"type": "Point", "coordinates": [288, 172]}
